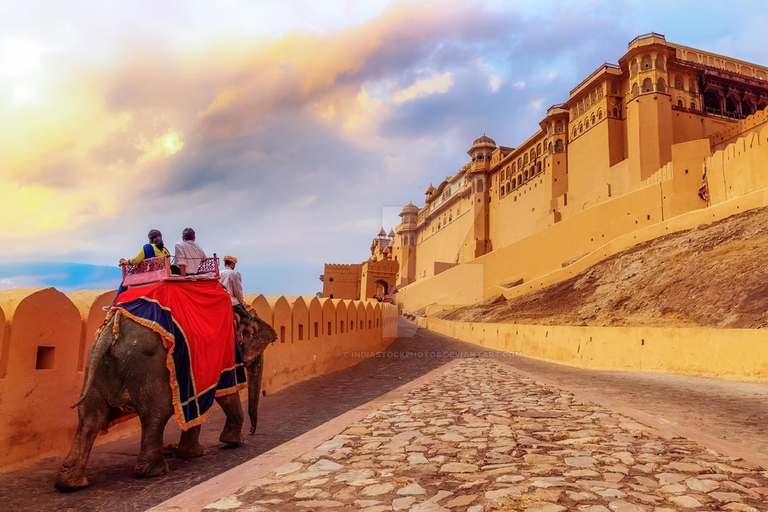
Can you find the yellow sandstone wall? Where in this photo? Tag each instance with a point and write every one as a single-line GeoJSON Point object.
{"type": "Point", "coordinates": [737, 176]}
{"type": "Point", "coordinates": [741, 354]}
{"type": "Point", "coordinates": [45, 337]}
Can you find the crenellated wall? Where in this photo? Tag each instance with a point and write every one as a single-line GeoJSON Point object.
{"type": "Point", "coordinates": [45, 337]}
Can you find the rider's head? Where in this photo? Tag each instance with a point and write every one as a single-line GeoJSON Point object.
{"type": "Point", "coordinates": [230, 261]}
{"type": "Point", "coordinates": [156, 237]}
{"type": "Point", "coordinates": [188, 235]}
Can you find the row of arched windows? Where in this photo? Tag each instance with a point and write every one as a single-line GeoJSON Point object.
{"type": "Point", "coordinates": [513, 182]}
{"type": "Point", "coordinates": [586, 102]}
{"type": "Point", "coordinates": [481, 156]}
{"type": "Point", "coordinates": [680, 84]}
{"type": "Point", "coordinates": [648, 86]}
{"type": "Point", "coordinates": [590, 120]}
{"type": "Point", "coordinates": [646, 63]}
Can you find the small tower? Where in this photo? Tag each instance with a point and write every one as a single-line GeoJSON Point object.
{"type": "Point", "coordinates": [481, 151]}
{"type": "Point", "coordinates": [407, 233]}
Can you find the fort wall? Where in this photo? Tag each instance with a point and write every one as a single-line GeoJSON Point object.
{"type": "Point", "coordinates": [45, 338]}
{"type": "Point", "coordinates": [741, 354]}
{"type": "Point", "coordinates": [737, 178]}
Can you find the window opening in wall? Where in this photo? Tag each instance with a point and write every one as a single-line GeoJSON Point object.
{"type": "Point", "coordinates": [331, 296]}
{"type": "Point", "coordinates": [282, 334]}
{"type": "Point", "coordinates": [330, 328]}
{"type": "Point", "coordinates": [369, 324]}
{"type": "Point", "coordinates": [317, 329]}
{"type": "Point", "coordinates": [301, 332]}
{"type": "Point", "coordinates": [330, 279]}
{"type": "Point", "coordinates": [377, 320]}
{"type": "Point", "coordinates": [351, 325]}
{"type": "Point", "coordinates": [361, 324]}
{"type": "Point", "coordinates": [45, 358]}
{"type": "Point", "coordinates": [341, 326]}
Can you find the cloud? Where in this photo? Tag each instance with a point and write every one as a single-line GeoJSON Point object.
{"type": "Point", "coordinates": [434, 84]}
{"type": "Point", "coordinates": [279, 141]}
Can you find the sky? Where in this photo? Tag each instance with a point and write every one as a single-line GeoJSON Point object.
{"type": "Point", "coordinates": [286, 133]}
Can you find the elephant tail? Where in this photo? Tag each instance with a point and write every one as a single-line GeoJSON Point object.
{"type": "Point", "coordinates": [103, 342]}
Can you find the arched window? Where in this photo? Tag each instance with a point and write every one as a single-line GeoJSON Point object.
{"type": "Point", "coordinates": [692, 85]}
{"type": "Point", "coordinates": [693, 105]}
{"type": "Point", "coordinates": [480, 156]}
{"type": "Point", "coordinates": [593, 118]}
{"type": "Point", "coordinates": [559, 146]}
{"type": "Point", "coordinates": [635, 90]}
{"type": "Point", "coordinates": [525, 159]}
{"type": "Point", "coordinates": [533, 154]}
{"type": "Point", "coordinates": [647, 85]}
{"type": "Point", "coordinates": [503, 175]}
{"type": "Point", "coordinates": [574, 132]}
{"type": "Point", "coordinates": [659, 61]}
{"type": "Point", "coordinates": [581, 127]}
{"type": "Point", "coordinates": [679, 84]}
{"type": "Point", "coordinates": [538, 149]}
{"type": "Point", "coordinates": [538, 167]}
{"type": "Point", "coordinates": [586, 123]}
{"type": "Point", "coordinates": [502, 191]}
{"type": "Point", "coordinates": [661, 85]}
{"type": "Point", "coordinates": [520, 163]}
{"type": "Point", "coordinates": [679, 102]}
{"type": "Point", "coordinates": [646, 62]}
{"type": "Point", "coordinates": [514, 166]}
{"type": "Point", "coordinates": [550, 147]}
{"type": "Point", "coordinates": [632, 68]}
{"type": "Point", "coordinates": [616, 111]}
{"type": "Point", "coordinates": [599, 113]}
{"type": "Point", "coordinates": [525, 176]}
{"type": "Point", "coordinates": [508, 187]}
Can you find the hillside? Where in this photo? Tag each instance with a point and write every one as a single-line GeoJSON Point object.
{"type": "Point", "coordinates": [713, 276]}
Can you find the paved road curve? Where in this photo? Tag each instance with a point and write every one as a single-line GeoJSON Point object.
{"type": "Point", "coordinates": [733, 411]}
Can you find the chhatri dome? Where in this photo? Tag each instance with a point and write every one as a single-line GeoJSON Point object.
{"type": "Point", "coordinates": [382, 232]}
{"type": "Point", "coordinates": [484, 142]}
{"type": "Point", "coordinates": [409, 208]}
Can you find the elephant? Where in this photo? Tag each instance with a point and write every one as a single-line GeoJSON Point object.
{"type": "Point", "coordinates": [126, 372]}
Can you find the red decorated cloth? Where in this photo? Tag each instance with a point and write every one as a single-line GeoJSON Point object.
{"type": "Point", "coordinates": [195, 321]}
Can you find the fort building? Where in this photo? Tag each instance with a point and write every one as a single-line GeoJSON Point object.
{"type": "Point", "coordinates": [656, 117]}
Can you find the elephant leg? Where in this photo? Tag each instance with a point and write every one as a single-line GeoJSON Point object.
{"type": "Point", "coordinates": [189, 444]}
{"type": "Point", "coordinates": [233, 428]}
{"type": "Point", "coordinates": [151, 461]}
{"type": "Point", "coordinates": [255, 371]}
{"type": "Point", "coordinates": [92, 417]}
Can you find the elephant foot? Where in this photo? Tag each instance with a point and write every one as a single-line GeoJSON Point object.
{"type": "Point", "coordinates": [151, 469]}
{"type": "Point", "coordinates": [169, 450]}
{"type": "Point", "coordinates": [232, 436]}
{"type": "Point", "coordinates": [189, 452]}
{"type": "Point", "coordinates": [70, 480]}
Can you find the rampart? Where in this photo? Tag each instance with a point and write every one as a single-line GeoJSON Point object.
{"type": "Point", "coordinates": [45, 337]}
{"type": "Point", "coordinates": [741, 354]}
{"type": "Point", "coordinates": [737, 179]}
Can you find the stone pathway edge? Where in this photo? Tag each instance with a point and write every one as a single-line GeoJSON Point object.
{"type": "Point", "coordinates": [718, 444]}
{"type": "Point", "coordinates": [227, 483]}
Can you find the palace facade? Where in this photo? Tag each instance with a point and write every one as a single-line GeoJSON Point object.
{"type": "Point", "coordinates": [656, 116]}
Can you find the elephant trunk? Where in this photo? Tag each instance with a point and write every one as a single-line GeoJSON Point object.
{"type": "Point", "coordinates": [103, 342]}
{"type": "Point", "coordinates": [254, 390]}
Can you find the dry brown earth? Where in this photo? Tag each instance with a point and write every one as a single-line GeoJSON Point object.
{"type": "Point", "coordinates": [710, 276]}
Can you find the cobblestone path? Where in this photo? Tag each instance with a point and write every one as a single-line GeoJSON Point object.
{"type": "Point", "coordinates": [481, 437]}
{"type": "Point", "coordinates": [737, 412]}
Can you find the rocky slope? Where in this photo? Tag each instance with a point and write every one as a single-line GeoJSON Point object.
{"type": "Point", "coordinates": [714, 276]}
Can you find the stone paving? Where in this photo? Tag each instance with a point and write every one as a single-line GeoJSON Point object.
{"type": "Point", "coordinates": [481, 437]}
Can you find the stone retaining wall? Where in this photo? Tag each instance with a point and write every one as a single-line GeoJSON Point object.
{"type": "Point", "coordinates": [731, 354]}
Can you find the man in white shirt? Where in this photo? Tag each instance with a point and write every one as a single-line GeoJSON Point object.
{"type": "Point", "coordinates": [187, 254]}
{"type": "Point", "coordinates": [233, 282]}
